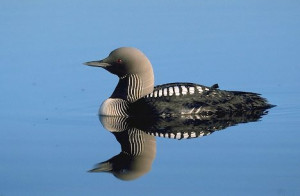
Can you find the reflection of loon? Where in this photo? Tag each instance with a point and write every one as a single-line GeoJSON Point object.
{"type": "Point", "coordinates": [137, 140]}
{"type": "Point", "coordinates": [135, 94]}
{"type": "Point", "coordinates": [138, 151]}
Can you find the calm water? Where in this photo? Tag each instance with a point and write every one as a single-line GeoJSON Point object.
{"type": "Point", "coordinates": [50, 132]}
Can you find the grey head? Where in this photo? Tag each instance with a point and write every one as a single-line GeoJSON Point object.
{"type": "Point", "coordinates": [122, 61]}
{"type": "Point", "coordinates": [133, 69]}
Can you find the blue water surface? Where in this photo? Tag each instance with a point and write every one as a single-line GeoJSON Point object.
{"type": "Point", "coordinates": [50, 132]}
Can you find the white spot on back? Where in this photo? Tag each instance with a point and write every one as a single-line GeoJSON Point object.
{"type": "Point", "coordinates": [199, 89]}
{"type": "Point", "coordinates": [165, 92]}
{"type": "Point", "coordinates": [191, 90]}
{"type": "Point", "coordinates": [176, 89]}
{"type": "Point", "coordinates": [171, 91]}
{"type": "Point", "coordinates": [184, 90]}
{"type": "Point", "coordinates": [160, 93]}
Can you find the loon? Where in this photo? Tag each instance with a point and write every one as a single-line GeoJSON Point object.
{"type": "Point", "coordinates": [135, 94]}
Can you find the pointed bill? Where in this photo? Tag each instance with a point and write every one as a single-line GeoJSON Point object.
{"type": "Point", "coordinates": [97, 63]}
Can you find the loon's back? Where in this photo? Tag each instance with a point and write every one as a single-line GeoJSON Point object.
{"type": "Point", "coordinates": [189, 99]}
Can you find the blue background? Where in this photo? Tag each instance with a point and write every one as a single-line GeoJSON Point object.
{"type": "Point", "coordinates": [50, 134]}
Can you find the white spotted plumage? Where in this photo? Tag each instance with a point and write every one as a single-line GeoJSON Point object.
{"type": "Point", "coordinates": [165, 91]}
{"type": "Point", "coordinates": [171, 91]}
{"type": "Point", "coordinates": [160, 93]}
{"type": "Point", "coordinates": [184, 90]}
{"type": "Point", "coordinates": [176, 89]}
{"type": "Point", "coordinates": [199, 88]}
{"type": "Point", "coordinates": [180, 134]}
{"type": "Point", "coordinates": [191, 90]}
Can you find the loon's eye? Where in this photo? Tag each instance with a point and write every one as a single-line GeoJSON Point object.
{"type": "Point", "coordinates": [119, 61]}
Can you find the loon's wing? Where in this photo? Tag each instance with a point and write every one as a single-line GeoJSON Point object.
{"type": "Point", "coordinates": [175, 99]}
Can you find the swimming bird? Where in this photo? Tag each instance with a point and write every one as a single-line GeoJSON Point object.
{"type": "Point", "coordinates": [135, 94]}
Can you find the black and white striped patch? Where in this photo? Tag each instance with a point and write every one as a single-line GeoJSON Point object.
{"type": "Point", "coordinates": [114, 123]}
{"type": "Point", "coordinates": [177, 89]}
{"type": "Point", "coordinates": [135, 87]}
{"type": "Point", "coordinates": [114, 107]}
{"type": "Point", "coordinates": [180, 135]}
{"type": "Point", "coordinates": [136, 141]}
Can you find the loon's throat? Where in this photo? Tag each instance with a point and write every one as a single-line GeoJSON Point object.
{"type": "Point", "coordinates": [132, 87]}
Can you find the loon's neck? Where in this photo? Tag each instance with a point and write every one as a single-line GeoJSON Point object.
{"type": "Point", "coordinates": [132, 87]}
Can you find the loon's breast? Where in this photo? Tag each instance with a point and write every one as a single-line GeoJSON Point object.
{"type": "Point", "coordinates": [114, 107]}
{"type": "Point", "coordinates": [187, 99]}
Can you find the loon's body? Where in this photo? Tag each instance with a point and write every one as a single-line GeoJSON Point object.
{"type": "Point", "coordinates": [193, 99]}
{"type": "Point", "coordinates": [135, 94]}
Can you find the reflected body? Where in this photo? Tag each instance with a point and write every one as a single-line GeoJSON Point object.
{"type": "Point", "coordinates": [138, 151]}
{"type": "Point", "coordinates": [135, 94]}
{"type": "Point", "coordinates": [137, 138]}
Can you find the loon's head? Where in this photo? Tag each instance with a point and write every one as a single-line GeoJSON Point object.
{"type": "Point", "coordinates": [136, 78]}
{"type": "Point", "coordinates": [123, 61]}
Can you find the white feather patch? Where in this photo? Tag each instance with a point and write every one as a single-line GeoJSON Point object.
{"type": "Point", "coordinates": [192, 90]}
{"type": "Point", "coordinates": [184, 90]}
{"type": "Point", "coordinates": [171, 92]}
{"type": "Point", "coordinates": [199, 89]}
{"type": "Point", "coordinates": [176, 89]}
{"type": "Point", "coordinates": [165, 92]}
{"type": "Point", "coordinates": [160, 93]}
